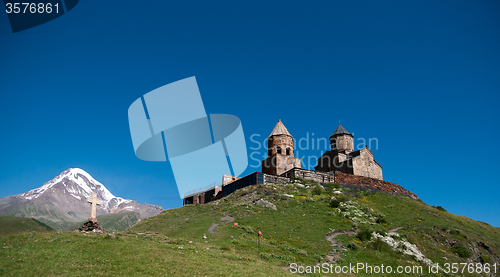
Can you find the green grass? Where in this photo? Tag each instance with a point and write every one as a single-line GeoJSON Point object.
{"type": "Point", "coordinates": [14, 225]}
{"type": "Point", "coordinates": [294, 233]}
{"type": "Point", "coordinates": [78, 254]}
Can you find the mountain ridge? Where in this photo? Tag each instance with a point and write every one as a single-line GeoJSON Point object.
{"type": "Point", "coordinates": [61, 201]}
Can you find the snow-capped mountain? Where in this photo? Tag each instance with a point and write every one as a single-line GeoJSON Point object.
{"type": "Point", "coordinates": [64, 198]}
{"type": "Point", "coordinates": [76, 183]}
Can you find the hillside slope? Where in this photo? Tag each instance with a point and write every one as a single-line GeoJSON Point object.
{"type": "Point", "coordinates": [309, 228]}
{"type": "Point", "coordinates": [306, 229]}
{"type": "Point", "coordinates": [14, 225]}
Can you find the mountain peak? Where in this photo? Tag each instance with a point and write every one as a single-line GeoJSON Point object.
{"type": "Point", "coordinates": [62, 201]}
{"type": "Point", "coordinates": [77, 182]}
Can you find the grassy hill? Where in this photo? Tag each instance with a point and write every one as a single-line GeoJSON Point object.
{"type": "Point", "coordinates": [43, 211]}
{"type": "Point", "coordinates": [14, 225]}
{"type": "Point", "coordinates": [308, 228]}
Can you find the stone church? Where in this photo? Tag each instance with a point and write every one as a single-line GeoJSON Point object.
{"type": "Point", "coordinates": [280, 152]}
{"type": "Point", "coordinates": [341, 157]}
{"type": "Point", "coordinates": [341, 165]}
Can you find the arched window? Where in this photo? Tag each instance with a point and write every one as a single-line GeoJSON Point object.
{"type": "Point", "coordinates": [278, 150]}
{"type": "Point", "coordinates": [288, 151]}
{"type": "Point", "coordinates": [334, 143]}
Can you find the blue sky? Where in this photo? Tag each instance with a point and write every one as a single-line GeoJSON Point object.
{"type": "Point", "coordinates": [422, 77]}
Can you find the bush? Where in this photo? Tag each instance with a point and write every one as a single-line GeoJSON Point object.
{"type": "Point", "coordinates": [380, 246]}
{"type": "Point", "coordinates": [335, 203]}
{"type": "Point", "coordinates": [352, 245]}
{"type": "Point", "coordinates": [381, 220]}
{"type": "Point", "coordinates": [380, 230]}
{"type": "Point", "coordinates": [317, 191]}
{"type": "Point", "coordinates": [285, 246]}
{"type": "Point", "coordinates": [485, 259]}
{"type": "Point", "coordinates": [366, 210]}
{"type": "Point", "coordinates": [461, 251]}
{"type": "Point", "coordinates": [364, 235]}
{"type": "Point", "coordinates": [300, 252]}
{"type": "Point", "coordinates": [439, 208]}
{"type": "Point", "coordinates": [248, 229]}
{"type": "Point", "coordinates": [331, 185]}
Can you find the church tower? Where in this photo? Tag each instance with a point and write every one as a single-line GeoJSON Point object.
{"type": "Point", "coordinates": [280, 152]}
{"type": "Point", "coordinates": [341, 140]}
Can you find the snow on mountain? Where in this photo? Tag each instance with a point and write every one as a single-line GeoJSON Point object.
{"type": "Point", "coordinates": [62, 201]}
{"type": "Point", "coordinates": [78, 184]}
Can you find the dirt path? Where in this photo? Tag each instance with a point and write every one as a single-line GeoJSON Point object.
{"type": "Point", "coordinates": [336, 245]}
{"type": "Point", "coordinates": [395, 229]}
{"type": "Point", "coordinates": [211, 229]}
{"type": "Point", "coordinates": [226, 219]}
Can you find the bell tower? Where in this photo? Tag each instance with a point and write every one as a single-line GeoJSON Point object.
{"type": "Point", "coordinates": [341, 140]}
{"type": "Point", "coordinates": [280, 152]}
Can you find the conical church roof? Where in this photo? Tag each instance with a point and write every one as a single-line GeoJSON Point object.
{"type": "Point", "coordinates": [279, 129]}
{"type": "Point", "coordinates": [340, 131]}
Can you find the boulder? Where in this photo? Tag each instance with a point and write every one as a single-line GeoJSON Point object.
{"type": "Point", "coordinates": [267, 204]}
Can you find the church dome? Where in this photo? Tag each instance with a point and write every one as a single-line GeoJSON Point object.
{"type": "Point", "coordinates": [340, 131]}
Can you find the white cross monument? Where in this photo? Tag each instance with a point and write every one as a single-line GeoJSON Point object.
{"type": "Point", "coordinates": [93, 201]}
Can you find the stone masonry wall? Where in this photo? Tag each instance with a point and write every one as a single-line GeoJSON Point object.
{"type": "Point", "coordinates": [344, 142]}
{"type": "Point", "coordinates": [278, 164]}
{"type": "Point", "coordinates": [366, 182]}
{"type": "Point", "coordinates": [271, 179]}
{"type": "Point", "coordinates": [364, 165]}
{"type": "Point", "coordinates": [283, 141]}
{"type": "Point", "coordinates": [317, 176]}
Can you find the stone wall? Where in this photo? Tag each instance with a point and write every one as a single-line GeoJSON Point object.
{"type": "Point", "coordinates": [371, 183]}
{"type": "Point", "coordinates": [283, 142]}
{"type": "Point", "coordinates": [365, 165]}
{"type": "Point", "coordinates": [279, 164]}
{"type": "Point", "coordinates": [317, 176]}
{"type": "Point", "coordinates": [334, 161]}
{"type": "Point", "coordinates": [271, 179]}
{"type": "Point", "coordinates": [344, 142]}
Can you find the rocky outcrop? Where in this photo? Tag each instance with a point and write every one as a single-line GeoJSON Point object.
{"type": "Point", "coordinates": [370, 183]}
{"type": "Point", "coordinates": [266, 204]}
